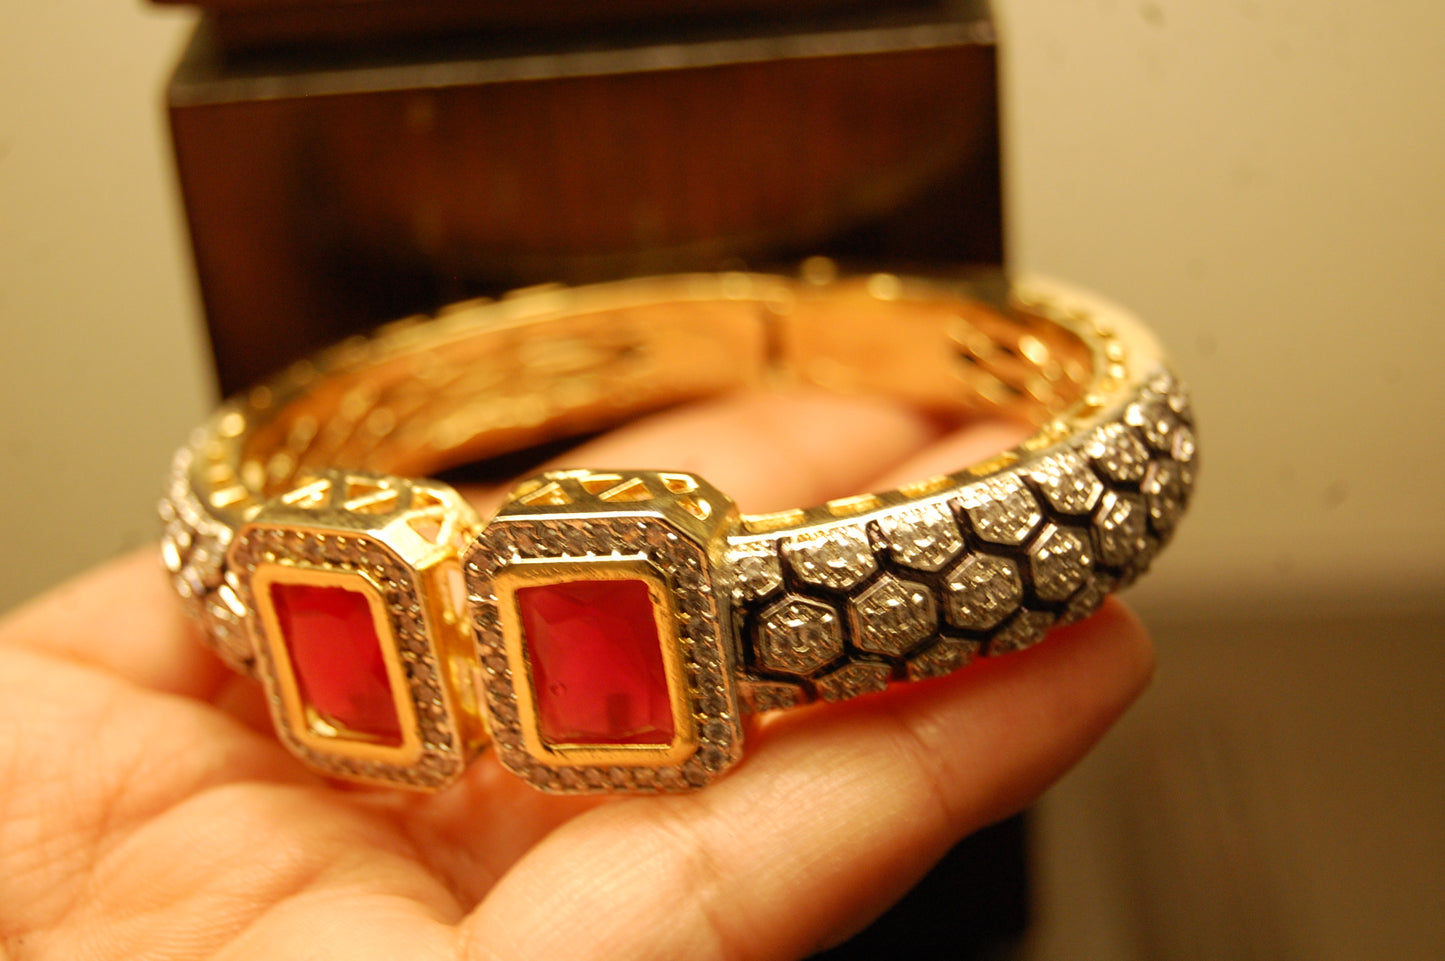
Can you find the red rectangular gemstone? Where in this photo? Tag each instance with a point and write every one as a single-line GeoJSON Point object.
{"type": "Point", "coordinates": [337, 659]}
{"type": "Point", "coordinates": [597, 663]}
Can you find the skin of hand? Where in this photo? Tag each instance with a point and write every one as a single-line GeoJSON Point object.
{"type": "Point", "coordinates": [147, 811]}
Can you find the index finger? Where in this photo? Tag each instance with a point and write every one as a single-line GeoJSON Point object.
{"type": "Point", "coordinates": [125, 619]}
{"type": "Point", "coordinates": [835, 812]}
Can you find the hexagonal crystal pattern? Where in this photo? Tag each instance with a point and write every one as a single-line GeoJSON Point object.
{"type": "Point", "coordinates": [1067, 483]}
{"type": "Point", "coordinates": [1023, 631]}
{"type": "Point", "coordinates": [838, 558]}
{"type": "Point", "coordinates": [1001, 510]}
{"type": "Point", "coordinates": [1060, 561]}
{"type": "Point", "coordinates": [982, 591]}
{"type": "Point", "coordinates": [759, 696]}
{"type": "Point", "coordinates": [892, 616]}
{"type": "Point", "coordinates": [1164, 487]}
{"type": "Point", "coordinates": [757, 574]}
{"type": "Point", "coordinates": [797, 635]}
{"type": "Point", "coordinates": [945, 657]}
{"type": "Point", "coordinates": [1184, 446]}
{"type": "Point", "coordinates": [854, 679]}
{"type": "Point", "coordinates": [1155, 420]}
{"type": "Point", "coordinates": [1120, 525]}
{"type": "Point", "coordinates": [1118, 453]}
{"type": "Point", "coordinates": [926, 539]}
{"type": "Point", "coordinates": [999, 560]}
{"type": "Point", "coordinates": [1088, 599]}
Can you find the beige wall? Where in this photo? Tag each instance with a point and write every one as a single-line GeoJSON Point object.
{"type": "Point", "coordinates": [1261, 178]}
{"type": "Point", "coordinates": [100, 364]}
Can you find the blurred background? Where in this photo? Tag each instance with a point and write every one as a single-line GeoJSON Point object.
{"type": "Point", "coordinates": [1264, 180]}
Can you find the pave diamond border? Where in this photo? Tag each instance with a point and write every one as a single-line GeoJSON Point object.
{"type": "Point", "coordinates": [442, 753]}
{"type": "Point", "coordinates": [684, 566]}
{"type": "Point", "coordinates": [193, 552]}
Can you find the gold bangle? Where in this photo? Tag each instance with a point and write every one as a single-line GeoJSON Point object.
{"type": "Point", "coordinates": [607, 630]}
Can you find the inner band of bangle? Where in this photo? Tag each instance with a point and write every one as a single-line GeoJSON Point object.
{"type": "Point", "coordinates": [489, 378]}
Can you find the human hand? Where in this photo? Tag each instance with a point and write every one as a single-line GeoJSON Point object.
{"type": "Point", "coordinates": [147, 811]}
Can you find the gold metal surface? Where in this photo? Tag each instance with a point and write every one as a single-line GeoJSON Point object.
{"type": "Point", "coordinates": [396, 541]}
{"type": "Point", "coordinates": [821, 601]}
{"type": "Point", "coordinates": [487, 378]}
{"type": "Point", "coordinates": [665, 528]}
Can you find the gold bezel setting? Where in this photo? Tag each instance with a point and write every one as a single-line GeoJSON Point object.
{"type": "Point", "coordinates": [383, 540]}
{"type": "Point", "coordinates": [323, 735]}
{"type": "Point", "coordinates": [544, 573]}
{"type": "Point", "coordinates": [578, 535]}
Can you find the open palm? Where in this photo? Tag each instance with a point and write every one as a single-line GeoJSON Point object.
{"type": "Point", "coordinates": [146, 811]}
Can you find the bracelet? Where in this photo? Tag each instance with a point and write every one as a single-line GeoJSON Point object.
{"type": "Point", "coordinates": [608, 630]}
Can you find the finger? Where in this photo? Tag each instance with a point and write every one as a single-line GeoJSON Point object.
{"type": "Point", "coordinates": [771, 450]}
{"type": "Point", "coordinates": [954, 451]}
{"type": "Point", "coordinates": [837, 810]}
{"type": "Point", "coordinates": [477, 850]}
{"type": "Point", "coordinates": [125, 619]}
{"type": "Point", "coordinates": [85, 759]}
{"type": "Point", "coordinates": [768, 450]}
{"type": "Point", "coordinates": [122, 618]}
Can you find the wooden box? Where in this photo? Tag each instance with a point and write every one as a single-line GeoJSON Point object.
{"type": "Point", "coordinates": [344, 164]}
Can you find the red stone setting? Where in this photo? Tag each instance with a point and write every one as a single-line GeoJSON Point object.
{"type": "Point", "coordinates": [596, 661]}
{"type": "Point", "coordinates": [337, 660]}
